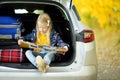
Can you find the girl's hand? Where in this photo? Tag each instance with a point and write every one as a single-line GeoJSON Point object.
{"type": "Point", "coordinates": [66, 48]}
{"type": "Point", "coordinates": [63, 50]}
{"type": "Point", "coordinates": [20, 41]}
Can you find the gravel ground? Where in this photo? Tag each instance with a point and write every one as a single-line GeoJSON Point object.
{"type": "Point", "coordinates": [108, 54]}
{"type": "Point", "coordinates": [108, 71]}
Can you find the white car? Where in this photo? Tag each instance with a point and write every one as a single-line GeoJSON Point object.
{"type": "Point", "coordinates": [79, 63]}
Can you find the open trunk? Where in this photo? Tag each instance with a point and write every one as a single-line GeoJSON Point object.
{"type": "Point", "coordinates": [28, 16]}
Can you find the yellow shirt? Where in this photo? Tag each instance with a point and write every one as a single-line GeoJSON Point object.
{"type": "Point", "coordinates": [42, 40]}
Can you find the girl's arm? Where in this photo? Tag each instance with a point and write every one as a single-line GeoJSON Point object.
{"type": "Point", "coordinates": [28, 37]}
{"type": "Point", "coordinates": [61, 43]}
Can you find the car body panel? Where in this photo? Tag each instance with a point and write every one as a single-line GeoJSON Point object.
{"type": "Point", "coordinates": [86, 73]}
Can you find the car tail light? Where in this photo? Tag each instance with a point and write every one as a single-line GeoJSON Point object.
{"type": "Point", "coordinates": [88, 36]}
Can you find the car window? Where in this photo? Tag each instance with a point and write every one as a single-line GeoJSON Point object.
{"type": "Point", "coordinates": [25, 11]}
{"type": "Point", "coordinates": [76, 12]}
{"type": "Point", "coordinates": [37, 11]}
{"type": "Point", "coordinates": [20, 11]}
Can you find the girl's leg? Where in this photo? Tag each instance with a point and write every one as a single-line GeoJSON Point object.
{"type": "Point", "coordinates": [36, 60]}
{"type": "Point", "coordinates": [31, 57]}
{"type": "Point", "coordinates": [49, 57]}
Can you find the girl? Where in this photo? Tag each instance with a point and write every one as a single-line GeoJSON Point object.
{"type": "Point", "coordinates": [46, 35]}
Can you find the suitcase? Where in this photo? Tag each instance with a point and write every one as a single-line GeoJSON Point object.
{"type": "Point", "coordinates": [8, 44]}
{"type": "Point", "coordinates": [12, 55]}
{"type": "Point", "coordinates": [10, 27]}
{"type": "Point", "coordinates": [10, 51]}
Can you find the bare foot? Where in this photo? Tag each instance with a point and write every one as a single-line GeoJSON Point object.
{"type": "Point", "coordinates": [41, 63]}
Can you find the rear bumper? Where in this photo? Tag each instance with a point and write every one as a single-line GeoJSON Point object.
{"type": "Point", "coordinates": [86, 73]}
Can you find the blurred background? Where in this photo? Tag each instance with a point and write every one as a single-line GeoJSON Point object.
{"type": "Point", "coordinates": [103, 16]}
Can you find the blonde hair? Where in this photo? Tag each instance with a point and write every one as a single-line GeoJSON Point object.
{"type": "Point", "coordinates": [44, 19]}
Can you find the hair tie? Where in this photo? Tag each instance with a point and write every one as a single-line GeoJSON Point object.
{"type": "Point", "coordinates": [48, 22]}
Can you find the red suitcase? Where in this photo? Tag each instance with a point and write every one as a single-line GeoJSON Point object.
{"type": "Point", "coordinates": [11, 55]}
{"type": "Point", "coordinates": [10, 51]}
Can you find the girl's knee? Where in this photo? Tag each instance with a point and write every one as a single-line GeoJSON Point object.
{"type": "Point", "coordinates": [47, 60]}
{"type": "Point", "coordinates": [28, 52]}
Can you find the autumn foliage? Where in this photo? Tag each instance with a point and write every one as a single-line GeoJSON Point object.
{"type": "Point", "coordinates": [99, 13]}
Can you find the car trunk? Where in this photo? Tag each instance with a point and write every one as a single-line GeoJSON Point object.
{"type": "Point", "coordinates": [28, 20]}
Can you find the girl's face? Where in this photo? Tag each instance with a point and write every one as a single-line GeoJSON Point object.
{"type": "Point", "coordinates": [42, 28]}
